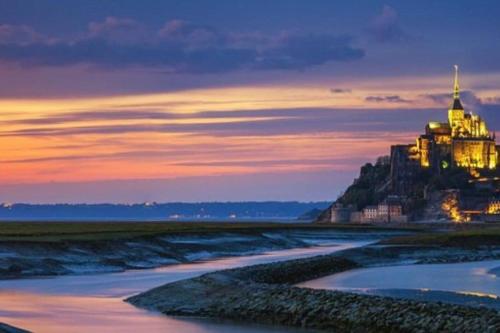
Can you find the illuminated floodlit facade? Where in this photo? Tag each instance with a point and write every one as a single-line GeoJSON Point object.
{"type": "Point", "coordinates": [493, 207]}
{"type": "Point", "coordinates": [464, 141]}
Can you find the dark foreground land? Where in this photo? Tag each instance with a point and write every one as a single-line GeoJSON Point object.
{"type": "Point", "coordinates": [265, 293]}
{"type": "Point", "coordinates": [57, 248]}
{"type": "Point", "coordinates": [262, 293]}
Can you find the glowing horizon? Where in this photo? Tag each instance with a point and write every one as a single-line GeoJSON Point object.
{"type": "Point", "coordinates": [130, 96]}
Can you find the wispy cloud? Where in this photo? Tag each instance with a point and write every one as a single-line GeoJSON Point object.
{"type": "Point", "coordinates": [390, 99]}
{"type": "Point", "coordinates": [266, 122]}
{"type": "Point", "coordinates": [466, 96]}
{"type": "Point", "coordinates": [340, 91]}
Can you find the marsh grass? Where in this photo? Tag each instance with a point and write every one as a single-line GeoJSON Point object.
{"type": "Point", "coordinates": [90, 231]}
{"type": "Point", "coordinates": [488, 236]}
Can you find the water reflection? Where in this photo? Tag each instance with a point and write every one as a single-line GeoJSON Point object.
{"type": "Point", "coordinates": [93, 303]}
{"type": "Point", "coordinates": [62, 313]}
{"type": "Point", "coordinates": [465, 278]}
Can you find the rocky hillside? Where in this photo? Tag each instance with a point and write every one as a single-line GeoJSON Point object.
{"type": "Point", "coordinates": [426, 192]}
{"type": "Point", "coordinates": [371, 187]}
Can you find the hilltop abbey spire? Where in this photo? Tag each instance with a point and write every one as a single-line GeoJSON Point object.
{"type": "Point", "coordinates": [456, 87]}
{"type": "Point", "coordinates": [456, 104]}
{"type": "Point", "coordinates": [462, 142]}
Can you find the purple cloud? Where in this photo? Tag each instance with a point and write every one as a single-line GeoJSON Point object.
{"type": "Point", "coordinates": [390, 99]}
{"type": "Point", "coordinates": [19, 34]}
{"type": "Point", "coordinates": [303, 51]}
{"type": "Point", "coordinates": [488, 108]}
{"type": "Point", "coordinates": [178, 47]}
{"type": "Point", "coordinates": [466, 96]}
{"type": "Point", "coordinates": [189, 33]}
{"type": "Point", "coordinates": [340, 91]}
{"type": "Point", "coordinates": [122, 30]}
{"type": "Point", "coordinates": [386, 27]}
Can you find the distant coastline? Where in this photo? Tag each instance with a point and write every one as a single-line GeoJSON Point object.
{"type": "Point", "coordinates": [174, 211]}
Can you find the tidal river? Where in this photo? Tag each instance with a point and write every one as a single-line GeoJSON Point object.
{"type": "Point", "coordinates": [472, 283]}
{"type": "Point", "coordinates": [94, 303]}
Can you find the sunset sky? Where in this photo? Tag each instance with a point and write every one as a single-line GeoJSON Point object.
{"type": "Point", "coordinates": [133, 101]}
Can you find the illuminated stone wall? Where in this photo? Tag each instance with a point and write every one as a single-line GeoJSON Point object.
{"type": "Point", "coordinates": [493, 207]}
{"type": "Point", "coordinates": [470, 126]}
{"type": "Point", "coordinates": [424, 146]}
{"type": "Point", "coordinates": [462, 142]}
{"type": "Point", "coordinates": [498, 156]}
{"type": "Point", "coordinates": [456, 120]}
{"type": "Point", "coordinates": [474, 153]}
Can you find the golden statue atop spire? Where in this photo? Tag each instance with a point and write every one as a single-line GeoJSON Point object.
{"type": "Point", "coordinates": [456, 87]}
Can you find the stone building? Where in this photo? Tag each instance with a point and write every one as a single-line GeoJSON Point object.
{"type": "Point", "coordinates": [390, 210]}
{"type": "Point", "coordinates": [463, 141]}
{"type": "Point", "coordinates": [370, 213]}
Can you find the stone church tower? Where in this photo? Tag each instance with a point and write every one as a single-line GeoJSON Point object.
{"type": "Point", "coordinates": [464, 141]}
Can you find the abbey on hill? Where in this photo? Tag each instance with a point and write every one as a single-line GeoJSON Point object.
{"type": "Point", "coordinates": [464, 142]}
{"type": "Point", "coordinates": [451, 172]}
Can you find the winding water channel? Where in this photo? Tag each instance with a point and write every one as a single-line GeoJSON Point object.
{"type": "Point", "coordinates": [472, 283]}
{"type": "Point", "coordinates": [94, 303]}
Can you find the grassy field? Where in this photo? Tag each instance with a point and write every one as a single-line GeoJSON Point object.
{"type": "Point", "coordinates": [87, 231]}
{"type": "Point", "coordinates": [464, 238]}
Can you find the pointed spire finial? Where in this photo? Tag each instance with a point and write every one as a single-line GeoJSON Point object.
{"type": "Point", "coordinates": [456, 88]}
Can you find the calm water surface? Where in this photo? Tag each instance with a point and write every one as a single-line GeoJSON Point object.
{"type": "Point", "coordinates": [473, 278]}
{"type": "Point", "coordinates": [94, 303]}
